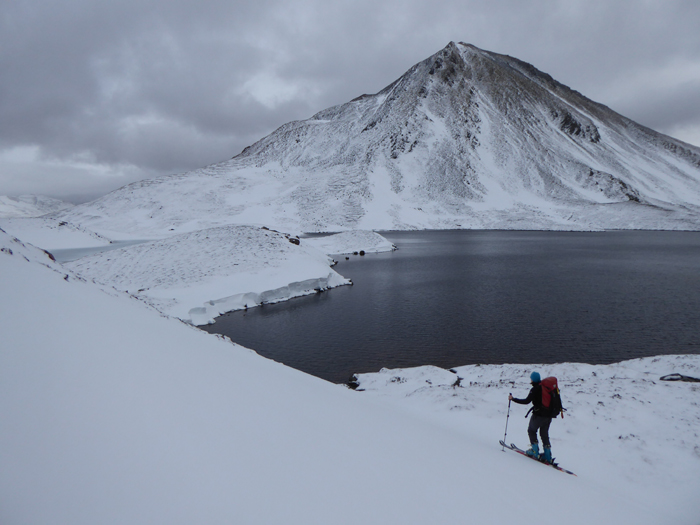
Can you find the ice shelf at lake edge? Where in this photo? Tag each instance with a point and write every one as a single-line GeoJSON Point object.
{"type": "Point", "coordinates": [199, 275]}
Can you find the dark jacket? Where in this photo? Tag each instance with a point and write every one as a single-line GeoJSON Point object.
{"type": "Point", "coordinates": [534, 397]}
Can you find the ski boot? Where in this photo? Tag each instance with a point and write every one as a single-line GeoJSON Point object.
{"type": "Point", "coordinates": [546, 457]}
{"type": "Point", "coordinates": [534, 451]}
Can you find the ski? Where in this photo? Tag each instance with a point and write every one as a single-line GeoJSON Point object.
{"type": "Point", "coordinates": [522, 452]}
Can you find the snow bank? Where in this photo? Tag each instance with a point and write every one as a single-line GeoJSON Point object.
{"type": "Point", "coordinates": [353, 241]}
{"type": "Point", "coordinates": [112, 413]}
{"type": "Point", "coordinates": [206, 314]}
{"type": "Point", "coordinates": [200, 275]}
{"type": "Point", "coordinates": [635, 434]}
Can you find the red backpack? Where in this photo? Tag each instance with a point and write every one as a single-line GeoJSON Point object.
{"type": "Point", "coordinates": [551, 399]}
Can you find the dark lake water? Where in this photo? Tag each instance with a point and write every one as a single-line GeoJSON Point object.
{"type": "Point", "coordinates": [451, 298]}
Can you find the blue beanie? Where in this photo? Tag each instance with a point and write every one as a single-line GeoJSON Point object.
{"type": "Point", "coordinates": [535, 377]}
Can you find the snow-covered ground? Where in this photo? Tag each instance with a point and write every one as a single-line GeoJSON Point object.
{"type": "Point", "coordinates": [637, 435]}
{"type": "Point", "coordinates": [50, 233]}
{"type": "Point", "coordinates": [114, 413]}
{"type": "Point", "coordinates": [200, 275]}
{"type": "Point", "coordinates": [30, 206]}
{"type": "Point", "coordinates": [353, 241]}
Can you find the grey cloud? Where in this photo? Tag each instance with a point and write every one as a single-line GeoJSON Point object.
{"type": "Point", "coordinates": [159, 85]}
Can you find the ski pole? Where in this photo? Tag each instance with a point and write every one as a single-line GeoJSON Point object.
{"type": "Point", "coordinates": [506, 432]}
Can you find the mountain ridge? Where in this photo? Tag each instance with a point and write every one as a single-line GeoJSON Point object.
{"type": "Point", "coordinates": [464, 139]}
{"type": "Point", "coordinates": [30, 206]}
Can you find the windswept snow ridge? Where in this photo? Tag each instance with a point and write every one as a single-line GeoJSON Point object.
{"type": "Point", "coordinates": [465, 139]}
{"type": "Point", "coordinates": [200, 275]}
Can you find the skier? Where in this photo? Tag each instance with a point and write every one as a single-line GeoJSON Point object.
{"type": "Point", "coordinates": [538, 421]}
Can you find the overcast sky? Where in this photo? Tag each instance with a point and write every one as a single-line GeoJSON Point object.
{"type": "Point", "coordinates": [95, 94]}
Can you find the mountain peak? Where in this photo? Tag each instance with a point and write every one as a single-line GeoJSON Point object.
{"type": "Point", "coordinates": [465, 138]}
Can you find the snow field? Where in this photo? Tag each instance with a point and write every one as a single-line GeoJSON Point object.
{"type": "Point", "coordinates": [351, 242]}
{"type": "Point", "coordinates": [113, 413]}
{"type": "Point", "coordinates": [199, 275]}
{"type": "Point", "coordinates": [633, 434]}
{"type": "Point", "coordinates": [50, 233]}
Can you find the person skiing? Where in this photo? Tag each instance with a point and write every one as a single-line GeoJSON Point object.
{"type": "Point", "coordinates": [538, 421]}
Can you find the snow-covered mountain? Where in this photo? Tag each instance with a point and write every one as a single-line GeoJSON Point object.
{"type": "Point", "coordinates": [30, 206]}
{"type": "Point", "coordinates": [465, 139]}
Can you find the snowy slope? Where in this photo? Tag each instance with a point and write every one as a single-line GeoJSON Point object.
{"type": "Point", "coordinates": [30, 206]}
{"type": "Point", "coordinates": [113, 413]}
{"type": "Point", "coordinates": [50, 233]}
{"type": "Point", "coordinates": [646, 429]}
{"type": "Point", "coordinates": [464, 139]}
{"type": "Point", "coordinates": [197, 276]}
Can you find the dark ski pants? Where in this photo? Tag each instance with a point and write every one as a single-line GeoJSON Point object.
{"type": "Point", "coordinates": [540, 423]}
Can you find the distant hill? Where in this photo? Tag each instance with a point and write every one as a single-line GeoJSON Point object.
{"type": "Point", "coordinates": [30, 206]}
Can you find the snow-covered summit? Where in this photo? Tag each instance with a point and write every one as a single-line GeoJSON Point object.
{"type": "Point", "coordinates": [464, 139]}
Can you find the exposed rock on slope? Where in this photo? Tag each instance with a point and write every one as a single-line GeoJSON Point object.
{"type": "Point", "coordinates": [466, 138]}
